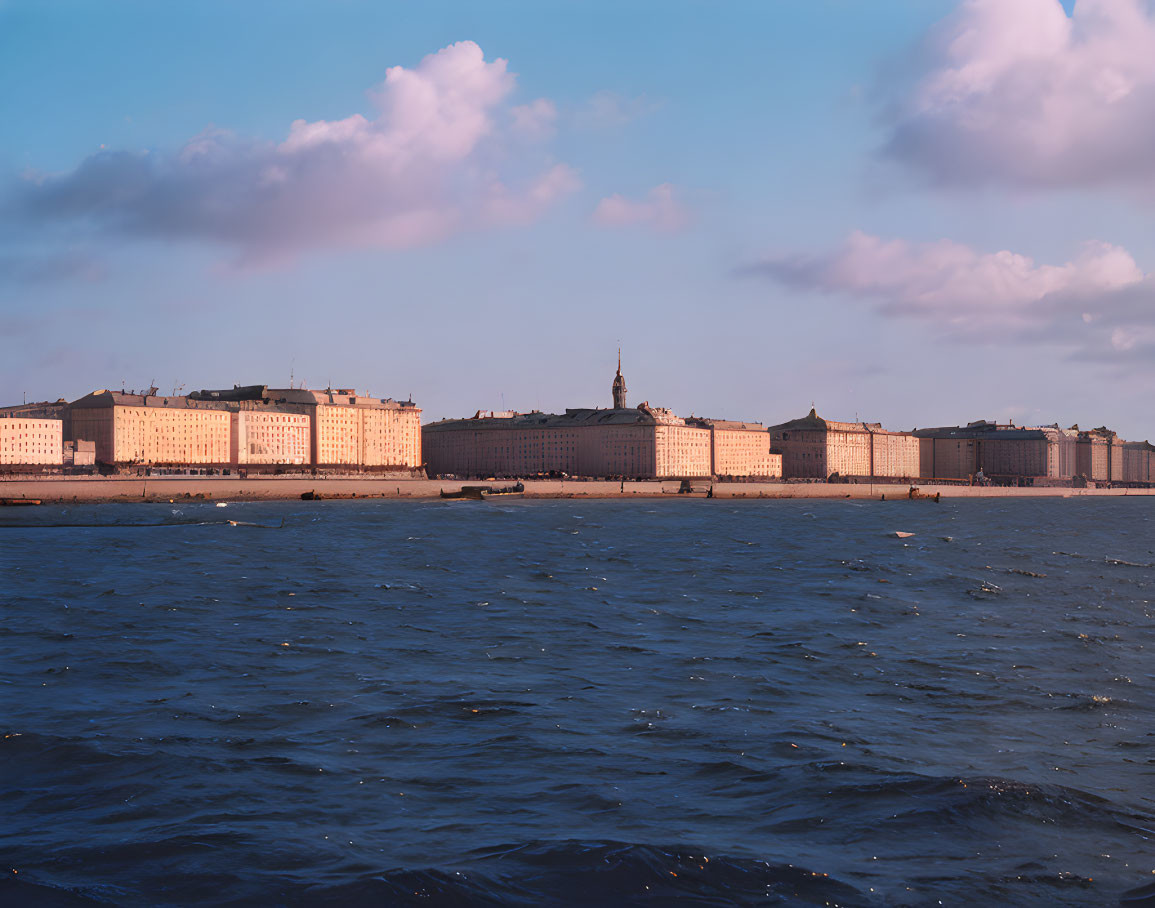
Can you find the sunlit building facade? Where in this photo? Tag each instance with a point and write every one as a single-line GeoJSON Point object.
{"type": "Point", "coordinates": [151, 429]}
{"type": "Point", "coordinates": [643, 442]}
{"type": "Point", "coordinates": [31, 441]}
{"type": "Point", "coordinates": [817, 448]}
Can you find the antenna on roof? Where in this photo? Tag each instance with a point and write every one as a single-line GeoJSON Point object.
{"type": "Point", "coordinates": [292, 365]}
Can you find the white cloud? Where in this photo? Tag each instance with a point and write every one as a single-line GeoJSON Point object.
{"type": "Point", "coordinates": [536, 121]}
{"type": "Point", "coordinates": [608, 109]}
{"type": "Point", "coordinates": [1019, 93]}
{"type": "Point", "coordinates": [422, 167]}
{"type": "Point", "coordinates": [660, 210]}
{"type": "Point", "coordinates": [1097, 304]}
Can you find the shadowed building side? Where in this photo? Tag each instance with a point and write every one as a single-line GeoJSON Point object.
{"type": "Point", "coordinates": [1137, 461]}
{"type": "Point", "coordinates": [618, 389]}
{"type": "Point", "coordinates": [643, 442]}
{"type": "Point", "coordinates": [998, 451]}
{"type": "Point", "coordinates": [1099, 456]}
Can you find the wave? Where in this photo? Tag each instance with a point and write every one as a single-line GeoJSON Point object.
{"type": "Point", "coordinates": [590, 873]}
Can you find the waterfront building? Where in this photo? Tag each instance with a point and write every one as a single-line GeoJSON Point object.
{"type": "Point", "coordinates": [740, 449]}
{"type": "Point", "coordinates": [352, 430]}
{"type": "Point", "coordinates": [817, 448]}
{"type": "Point", "coordinates": [632, 443]}
{"type": "Point", "coordinates": [29, 441]}
{"type": "Point", "coordinates": [1137, 457]}
{"type": "Point", "coordinates": [44, 409]}
{"type": "Point", "coordinates": [345, 429]}
{"type": "Point", "coordinates": [269, 436]}
{"type": "Point", "coordinates": [1093, 455]}
{"type": "Point", "coordinates": [643, 442]}
{"type": "Point", "coordinates": [998, 450]}
{"type": "Point", "coordinates": [151, 429]}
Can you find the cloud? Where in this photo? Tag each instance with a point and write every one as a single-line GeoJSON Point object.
{"type": "Point", "coordinates": [660, 210]}
{"type": "Point", "coordinates": [1019, 93]}
{"type": "Point", "coordinates": [1098, 306]}
{"type": "Point", "coordinates": [535, 121]}
{"type": "Point", "coordinates": [47, 267]}
{"type": "Point", "coordinates": [423, 166]}
{"type": "Point", "coordinates": [608, 110]}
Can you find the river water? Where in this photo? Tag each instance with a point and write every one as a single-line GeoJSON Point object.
{"type": "Point", "coordinates": [582, 702]}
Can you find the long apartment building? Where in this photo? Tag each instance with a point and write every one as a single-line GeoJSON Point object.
{"type": "Point", "coordinates": [998, 450]}
{"type": "Point", "coordinates": [1036, 453]}
{"type": "Point", "coordinates": [345, 429]}
{"type": "Point", "coordinates": [817, 448]}
{"type": "Point", "coordinates": [150, 429]}
{"type": "Point", "coordinates": [643, 442]}
{"type": "Point", "coordinates": [249, 426]}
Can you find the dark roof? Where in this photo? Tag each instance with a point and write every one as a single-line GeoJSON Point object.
{"type": "Point", "coordinates": [707, 422]}
{"type": "Point", "coordinates": [237, 392]}
{"type": "Point", "coordinates": [235, 398]}
{"type": "Point", "coordinates": [343, 397]}
{"type": "Point", "coordinates": [990, 430]}
{"type": "Point", "coordinates": [43, 409]}
{"type": "Point", "coordinates": [572, 418]}
{"type": "Point", "coordinates": [102, 399]}
{"type": "Point", "coordinates": [815, 422]}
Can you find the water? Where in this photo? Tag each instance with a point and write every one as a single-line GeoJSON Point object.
{"type": "Point", "coordinates": [582, 702]}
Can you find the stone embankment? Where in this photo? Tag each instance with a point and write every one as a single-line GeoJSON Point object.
{"type": "Point", "coordinates": [93, 489]}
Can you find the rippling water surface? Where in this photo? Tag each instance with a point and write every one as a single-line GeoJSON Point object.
{"type": "Point", "coordinates": [582, 702]}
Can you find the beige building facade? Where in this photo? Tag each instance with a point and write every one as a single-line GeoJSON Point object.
{"type": "Point", "coordinates": [643, 442]}
{"type": "Point", "coordinates": [150, 429]}
{"type": "Point", "coordinates": [817, 448]}
{"type": "Point", "coordinates": [740, 450]}
{"type": "Point", "coordinates": [29, 441]}
{"type": "Point", "coordinates": [249, 426]}
{"type": "Point", "coordinates": [345, 429]}
{"type": "Point", "coordinates": [633, 443]}
{"type": "Point", "coordinates": [269, 437]}
{"type": "Point", "coordinates": [353, 430]}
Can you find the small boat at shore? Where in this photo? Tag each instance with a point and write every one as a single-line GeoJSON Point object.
{"type": "Point", "coordinates": [516, 489]}
{"type": "Point", "coordinates": [480, 493]}
{"type": "Point", "coordinates": [465, 493]}
{"type": "Point", "coordinates": [18, 502]}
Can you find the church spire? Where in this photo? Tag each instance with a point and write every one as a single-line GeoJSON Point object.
{"type": "Point", "coordinates": [619, 389]}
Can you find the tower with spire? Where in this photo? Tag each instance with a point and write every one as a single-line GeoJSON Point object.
{"type": "Point", "coordinates": [619, 386]}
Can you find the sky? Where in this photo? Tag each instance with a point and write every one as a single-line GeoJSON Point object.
{"type": "Point", "coordinates": [918, 212]}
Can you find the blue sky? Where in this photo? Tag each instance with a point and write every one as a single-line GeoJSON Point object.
{"type": "Point", "coordinates": [915, 212]}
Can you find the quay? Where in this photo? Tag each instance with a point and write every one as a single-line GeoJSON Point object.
{"type": "Point", "coordinates": [87, 489]}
